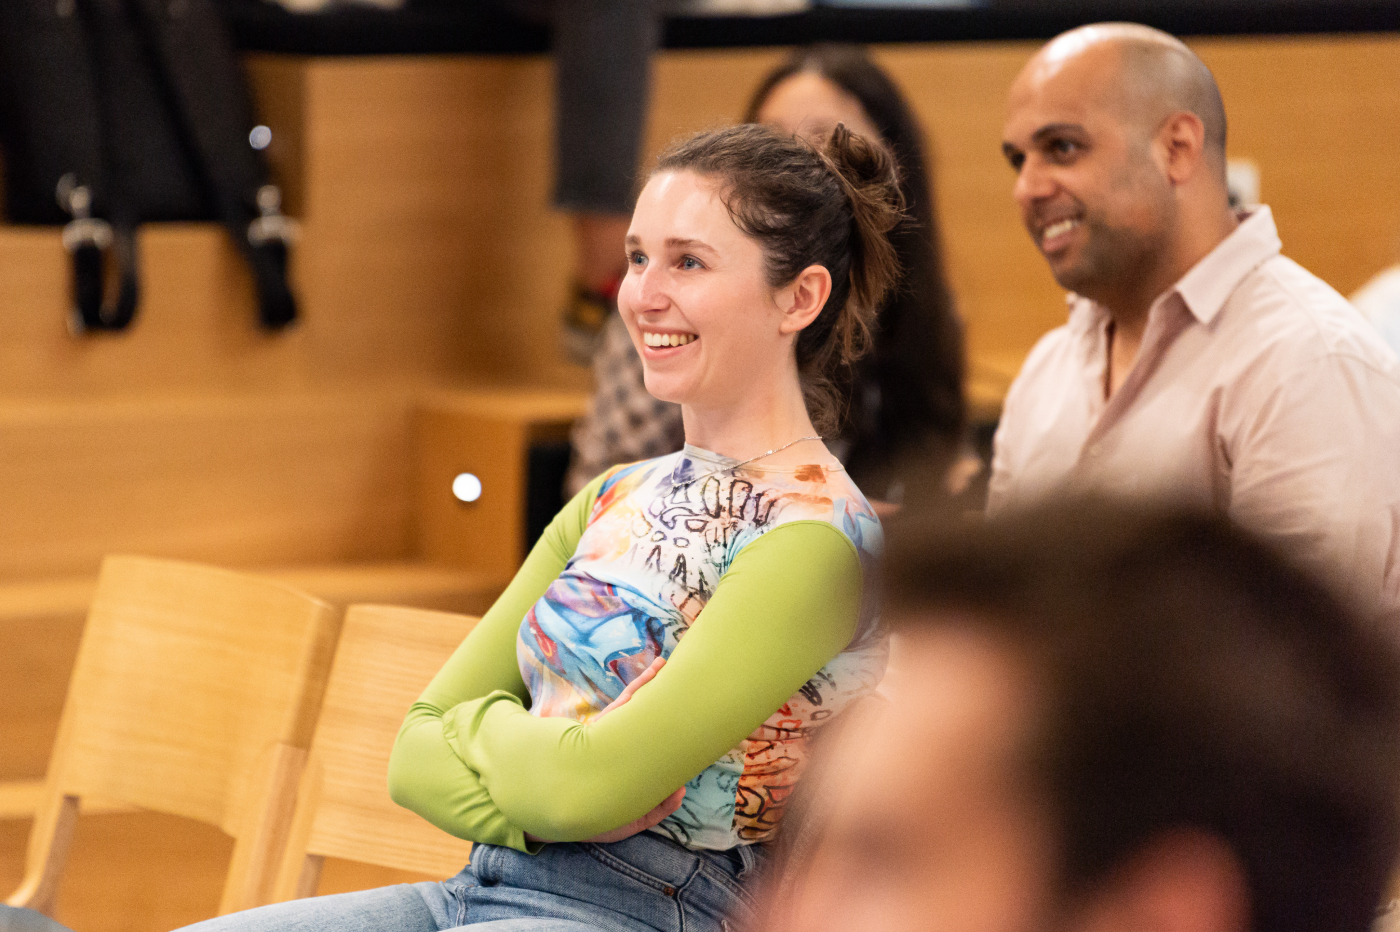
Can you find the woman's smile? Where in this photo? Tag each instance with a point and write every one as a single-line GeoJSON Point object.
{"type": "Point", "coordinates": [661, 340]}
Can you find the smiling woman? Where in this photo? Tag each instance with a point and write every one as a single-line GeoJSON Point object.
{"type": "Point", "coordinates": [779, 248]}
{"type": "Point", "coordinates": [618, 763]}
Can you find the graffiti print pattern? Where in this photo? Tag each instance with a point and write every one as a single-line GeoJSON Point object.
{"type": "Point", "coordinates": [659, 538]}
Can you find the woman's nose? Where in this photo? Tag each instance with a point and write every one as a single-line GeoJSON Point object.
{"type": "Point", "coordinates": [652, 294]}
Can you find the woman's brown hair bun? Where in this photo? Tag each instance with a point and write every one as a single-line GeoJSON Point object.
{"type": "Point", "coordinates": [867, 173]}
{"type": "Point", "coordinates": [832, 206]}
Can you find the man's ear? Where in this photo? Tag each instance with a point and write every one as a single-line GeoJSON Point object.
{"type": "Point", "coordinates": [1182, 881]}
{"type": "Point", "coordinates": [803, 298]}
{"type": "Point", "coordinates": [1182, 140]}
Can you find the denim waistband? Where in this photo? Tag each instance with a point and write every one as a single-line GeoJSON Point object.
{"type": "Point", "coordinates": [673, 862]}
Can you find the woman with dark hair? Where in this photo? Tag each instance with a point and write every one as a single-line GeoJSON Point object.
{"type": "Point", "coordinates": [906, 394]}
{"type": "Point", "coordinates": [903, 401]}
{"type": "Point", "coordinates": [621, 731]}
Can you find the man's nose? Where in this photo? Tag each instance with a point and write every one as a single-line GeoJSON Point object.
{"type": "Point", "coordinates": [1033, 182]}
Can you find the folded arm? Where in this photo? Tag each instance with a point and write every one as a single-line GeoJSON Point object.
{"type": "Point", "coordinates": [788, 604]}
{"type": "Point", "coordinates": [425, 774]}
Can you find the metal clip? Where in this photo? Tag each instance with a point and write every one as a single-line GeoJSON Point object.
{"type": "Point", "coordinates": [84, 229]}
{"type": "Point", "coordinates": [273, 225]}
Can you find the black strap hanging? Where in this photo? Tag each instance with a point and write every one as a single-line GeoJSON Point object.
{"type": "Point", "coordinates": [92, 242]}
{"type": "Point", "coordinates": [133, 111]}
{"type": "Point", "coordinates": [203, 77]}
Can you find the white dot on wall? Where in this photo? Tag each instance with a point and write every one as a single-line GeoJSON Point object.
{"type": "Point", "coordinates": [260, 137]}
{"type": "Point", "coordinates": [466, 487]}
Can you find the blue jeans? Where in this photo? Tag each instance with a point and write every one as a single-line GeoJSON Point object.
{"type": "Point", "coordinates": [646, 883]}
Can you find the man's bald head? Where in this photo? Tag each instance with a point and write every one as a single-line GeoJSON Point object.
{"type": "Point", "coordinates": [1116, 133]}
{"type": "Point", "coordinates": [1147, 74]}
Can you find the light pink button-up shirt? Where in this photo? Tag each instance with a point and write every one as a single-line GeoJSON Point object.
{"type": "Point", "coordinates": [1258, 391]}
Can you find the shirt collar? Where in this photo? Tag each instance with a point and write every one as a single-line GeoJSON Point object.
{"type": "Point", "coordinates": [1210, 282]}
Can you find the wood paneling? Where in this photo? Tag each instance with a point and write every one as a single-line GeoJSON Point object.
{"type": "Point", "coordinates": [424, 192]}
{"type": "Point", "coordinates": [131, 872]}
{"type": "Point", "coordinates": [1321, 116]}
{"type": "Point", "coordinates": [487, 433]}
{"type": "Point", "coordinates": [148, 872]}
{"type": "Point", "coordinates": [249, 480]}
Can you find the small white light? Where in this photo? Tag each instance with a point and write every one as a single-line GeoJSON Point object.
{"type": "Point", "coordinates": [466, 487]}
{"type": "Point", "coordinates": [260, 137]}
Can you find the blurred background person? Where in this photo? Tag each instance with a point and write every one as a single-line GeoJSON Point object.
{"type": "Point", "coordinates": [1104, 719]}
{"type": "Point", "coordinates": [905, 397]}
{"type": "Point", "coordinates": [1379, 301]}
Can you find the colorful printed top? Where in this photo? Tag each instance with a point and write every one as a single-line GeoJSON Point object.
{"type": "Point", "coordinates": [749, 580]}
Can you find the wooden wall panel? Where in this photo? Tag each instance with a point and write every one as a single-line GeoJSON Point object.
{"type": "Point", "coordinates": [256, 480]}
{"type": "Point", "coordinates": [1321, 116]}
{"type": "Point", "coordinates": [425, 198]}
{"type": "Point", "coordinates": [488, 434]}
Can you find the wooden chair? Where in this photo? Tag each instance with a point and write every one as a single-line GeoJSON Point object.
{"type": "Point", "coordinates": [195, 693]}
{"type": "Point", "coordinates": [385, 657]}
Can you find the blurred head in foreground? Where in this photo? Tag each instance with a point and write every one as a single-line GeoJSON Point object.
{"type": "Point", "coordinates": [1107, 719]}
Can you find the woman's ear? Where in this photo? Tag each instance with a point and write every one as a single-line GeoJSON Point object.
{"type": "Point", "coordinates": [803, 299]}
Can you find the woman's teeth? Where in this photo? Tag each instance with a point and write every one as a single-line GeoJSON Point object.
{"type": "Point", "coordinates": [668, 339]}
{"type": "Point", "coordinates": [1058, 229]}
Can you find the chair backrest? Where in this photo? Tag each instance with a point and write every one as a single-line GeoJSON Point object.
{"type": "Point", "coordinates": [195, 692]}
{"type": "Point", "coordinates": [385, 658]}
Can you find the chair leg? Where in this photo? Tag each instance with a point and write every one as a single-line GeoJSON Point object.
{"type": "Point", "coordinates": [300, 872]}
{"type": "Point", "coordinates": [50, 839]}
{"type": "Point", "coordinates": [310, 877]}
{"type": "Point", "coordinates": [263, 827]}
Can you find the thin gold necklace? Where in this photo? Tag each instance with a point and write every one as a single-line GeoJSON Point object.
{"type": "Point", "coordinates": [714, 472]}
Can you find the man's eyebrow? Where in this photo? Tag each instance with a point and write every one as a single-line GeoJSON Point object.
{"type": "Point", "coordinates": [1054, 129]}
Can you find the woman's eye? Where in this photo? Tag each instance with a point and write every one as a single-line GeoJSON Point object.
{"type": "Point", "coordinates": [636, 258]}
{"type": "Point", "coordinates": [690, 262]}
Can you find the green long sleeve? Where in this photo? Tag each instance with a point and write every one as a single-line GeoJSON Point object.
{"type": "Point", "coordinates": [425, 774]}
{"type": "Point", "coordinates": [788, 604]}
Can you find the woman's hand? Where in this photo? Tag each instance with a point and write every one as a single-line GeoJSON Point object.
{"type": "Point", "coordinates": [668, 805]}
{"type": "Point", "coordinates": [643, 678]}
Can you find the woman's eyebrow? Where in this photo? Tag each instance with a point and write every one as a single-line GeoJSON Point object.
{"type": "Point", "coordinates": [677, 242]}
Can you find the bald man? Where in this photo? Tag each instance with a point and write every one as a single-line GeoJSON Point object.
{"type": "Point", "coordinates": [1198, 364]}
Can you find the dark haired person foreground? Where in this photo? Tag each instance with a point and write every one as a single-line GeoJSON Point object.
{"type": "Point", "coordinates": [1108, 719]}
{"type": "Point", "coordinates": [1198, 363]}
{"type": "Point", "coordinates": [901, 402]}
{"type": "Point", "coordinates": [620, 732]}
